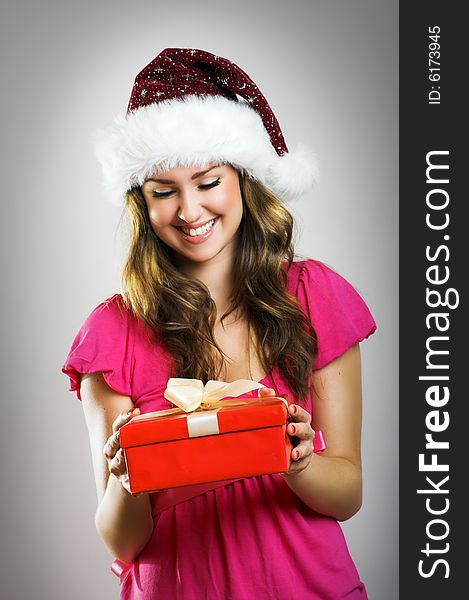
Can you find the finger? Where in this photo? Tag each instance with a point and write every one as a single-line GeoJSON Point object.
{"type": "Point", "coordinates": [298, 414]}
{"type": "Point", "coordinates": [265, 391]}
{"type": "Point", "coordinates": [117, 465]}
{"type": "Point", "coordinates": [301, 430]}
{"type": "Point", "coordinates": [303, 450]}
{"type": "Point", "coordinates": [124, 417]}
{"type": "Point", "coordinates": [112, 445]}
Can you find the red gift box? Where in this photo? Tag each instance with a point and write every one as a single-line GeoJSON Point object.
{"type": "Point", "coordinates": [247, 437]}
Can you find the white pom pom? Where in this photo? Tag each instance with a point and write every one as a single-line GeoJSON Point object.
{"type": "Point", "coordinates": [293, 174]}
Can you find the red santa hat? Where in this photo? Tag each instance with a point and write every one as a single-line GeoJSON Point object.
{"type": "Point", "coordinates": [189, 107]}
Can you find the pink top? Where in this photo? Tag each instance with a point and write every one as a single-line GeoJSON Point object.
{"type": "Point", "coordinates": [251, 538]}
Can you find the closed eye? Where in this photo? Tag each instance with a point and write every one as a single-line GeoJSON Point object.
{"type": "Point", "coordinates": [208, 186]}
{"type": "Point", "coordinates": [160, 194]}
{"type": "Point", "coordinates": [202, 186]}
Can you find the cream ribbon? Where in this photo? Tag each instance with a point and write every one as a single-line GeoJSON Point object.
{"type": "Point", "coordinates": [191, 394]}
{"type": "Point", "coordinates": [203, 423]}
{"type": "Point", "coordinates": [201, 403]}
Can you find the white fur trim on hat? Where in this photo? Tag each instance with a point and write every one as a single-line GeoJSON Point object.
{"type": "Point", "coordinates": [195, 131]}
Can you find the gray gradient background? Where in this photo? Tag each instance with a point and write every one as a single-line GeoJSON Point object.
{"type": "Point", "coordinates": [330, 72]}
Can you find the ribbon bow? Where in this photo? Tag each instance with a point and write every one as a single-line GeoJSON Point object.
{"type": "Point", "coordinates": [191, 394]}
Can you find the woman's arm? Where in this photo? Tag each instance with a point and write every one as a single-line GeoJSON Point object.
{"type": "Point", "coordinates": [331, 482]}
{"type": "Point", "coordinates": [124, 522]}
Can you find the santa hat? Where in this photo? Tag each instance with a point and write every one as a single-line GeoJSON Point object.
{"type": "Point", "coordinates": [189, 107]}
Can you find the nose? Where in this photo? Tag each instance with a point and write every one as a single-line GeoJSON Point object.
{"type": "Point", "coordinates": [189, 210]}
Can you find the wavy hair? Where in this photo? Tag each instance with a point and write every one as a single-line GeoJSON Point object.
{"type": "Point", "coordinates": [180, 313]}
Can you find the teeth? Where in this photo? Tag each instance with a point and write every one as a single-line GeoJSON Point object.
{"type": "Point", "coordinates": [199, 230]}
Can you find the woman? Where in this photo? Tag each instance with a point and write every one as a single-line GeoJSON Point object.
{"type": "Point", "coordinates": [211, 291]}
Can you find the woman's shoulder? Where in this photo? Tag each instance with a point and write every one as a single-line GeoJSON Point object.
{"type": "Point", "coordinates": [320, 284]}
{"type": "Point", "coordinates": [313, 273]}
{"type": "Point", "coordinates": [111, 340]}
{"type": "Point", "coordinates": [111, 310]}
{"type": "Point", "coordinates": [108, 323]}
{"type": "Point", "coordinates": [102, 345]}
{"type": "Point", "coordinates": [113, 303]}
{"type": "Point", "coordinates": [338, 312]}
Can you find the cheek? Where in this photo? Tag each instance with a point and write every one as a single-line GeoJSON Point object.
{"type": "Point", "coordinates": [229, 200]}
{"type": "Point", "coordinates": [160, 216]}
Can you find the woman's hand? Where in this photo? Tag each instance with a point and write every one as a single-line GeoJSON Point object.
{"type": "Point", "coordinates": [301, 432]}
{"type": "Point", "coordinates": [114, 454]}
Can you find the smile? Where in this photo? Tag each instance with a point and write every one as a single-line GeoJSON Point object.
{"type": "Point", "coordinates": [199, 235]}
{"type": "Point", "coordinates": [199, 230]}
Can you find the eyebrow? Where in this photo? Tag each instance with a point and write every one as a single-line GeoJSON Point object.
{"type": "Point", "coordinates": [194, 176]}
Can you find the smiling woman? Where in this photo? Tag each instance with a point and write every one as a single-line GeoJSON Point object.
{"type": "Point", "coordinates": [211, 290]}
{"type": "Point", "coordinates": [199, 205]}
{"type": "Point", "coordinates": [210, 277]}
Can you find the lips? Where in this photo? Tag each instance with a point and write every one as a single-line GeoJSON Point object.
{"type": "Point", "coordinates": [199, 230]}
{"type": "Point", "coordinates": [204, 233]}
{"type": "Point", "coordinates": [194, 225]}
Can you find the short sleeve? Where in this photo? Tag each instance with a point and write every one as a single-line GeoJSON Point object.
{"type": "Point", "coordinates": [103, 344]}
{"type": "Point", "coordinates": [338, 313]}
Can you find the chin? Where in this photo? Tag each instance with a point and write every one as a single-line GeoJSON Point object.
{"type": "Point", "coordinates": [197, 256]}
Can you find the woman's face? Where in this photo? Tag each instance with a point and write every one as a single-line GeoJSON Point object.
{"type": "Point", "coordinates": [195, 210]}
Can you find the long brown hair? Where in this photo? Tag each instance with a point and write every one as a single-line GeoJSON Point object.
{"type": "Point", "coordinates": [181, 314]}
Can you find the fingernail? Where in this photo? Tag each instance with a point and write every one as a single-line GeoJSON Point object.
{"type": "Point", "coordinates": [293, 409]}
{"type": "Point", "coordinates": [292, 428]}
{"type": "Point", "coordinates": [297, 454]}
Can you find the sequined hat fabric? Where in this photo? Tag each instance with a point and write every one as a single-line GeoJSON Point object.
{"type": "Point", "coordinates": [189, 107]}
{"type": "Point", "coordinates": [178, 72]}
